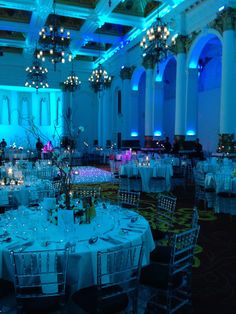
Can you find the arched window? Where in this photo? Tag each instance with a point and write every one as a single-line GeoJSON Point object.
{"type": "Point", "coordinates": [5, 111]}
{"type": "Point", "coordinates": [58, 111]}
{"type": "Point", "coordinates": [44, 112]}
{"type": "Point", "coordinates": [24, 112]}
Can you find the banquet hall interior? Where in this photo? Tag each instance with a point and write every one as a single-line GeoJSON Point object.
{"type": "Point", "coordinates": [117, 156]}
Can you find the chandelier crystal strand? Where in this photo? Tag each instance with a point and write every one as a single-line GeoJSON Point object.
{"type": "Point", "coordinates": [99, 79]}
{"type": "Point", "coordinates": [154, 43]}
{"type": "Point", "coordinates": [54, 42]}
{"type": "Point", "coordinates": [36, 76]}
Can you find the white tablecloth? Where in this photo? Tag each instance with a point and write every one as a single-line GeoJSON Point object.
{"type": "Point", "coordinates": [23, 194]}
{"type": "Point", "coordinates": [147, 172]}
{"type": "Point", "coordinates": [30, 227]}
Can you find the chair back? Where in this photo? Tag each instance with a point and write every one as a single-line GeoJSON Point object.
{"type": "Point", "coordinates": [128, 199]}
{"type": "Point", "coordinates": [166, 206]}
{"type": "Point", "coordinates": [39, 273]}
{"type": "Point", "coordinates": [195, 217]}
{"type": "Point", "coordinates": [118, 271]}
{"type": "Point", "coordinates": [87, 191]}
{"type": "Point", "coordinates": [57, 185]}
{"type": "Point", "coordinates": [199, 178]}
{"type": "Point", "coordinates": [182, 250]}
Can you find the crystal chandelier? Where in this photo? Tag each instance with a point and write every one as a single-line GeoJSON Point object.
{"type": "Point", "coordinates": [154, 43]}
{"type": "Point", "coordinates": [36, 76]}
{"type": "Point", "coordinates": [99, 79]}
{"type": "Point", "coordinates": [72, 83]}
{"type": "Point", "coordinates": [54, 42]}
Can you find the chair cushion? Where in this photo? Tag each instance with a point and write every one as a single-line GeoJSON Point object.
{"type": "Point", "coordinates": [87, 299]}
{"type": "Point", "coordinates": [156, 275]}
{"type": "Point", "coordinates": [161, 254]}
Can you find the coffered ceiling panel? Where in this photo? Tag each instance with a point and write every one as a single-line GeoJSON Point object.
{"type": "Point", "coordinates": [98, 28]}
{"type": "Point", "coordinates": [11, 35]}
{"type": "Point", "coordinates": [13, 15]}
{"type": "Point", "coordinates": [97, 46]}
{"type": "Point", "coordinates": [67, 22]}
{"type": "Point", "coordinates": [140, 8]}
{"type": "Point", "coordinates": [113, 29]}
{"type": "Point", "coordinates": [80, 3]}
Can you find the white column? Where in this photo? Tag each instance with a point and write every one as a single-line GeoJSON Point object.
{"type": "Point", "coordinates": [180, 107]}
{"type": "Point", "coordinates": [126, 109]}
{"type": "Point", "coordinates": [66, 109]}
{"type": "Point", "coordinates": [134, 113]}
{"type": "Point", "coordinates": [192, 100]}
{"type": "Point", "coordinates": [104, 117]}
{"type": "Point", "coordinates": [228, 89]}
{"type": "Point", "coordinates": [107, 120]}
{"type": "Point", "coordinates": [101, 96]}
{"type": "Point", "coordinates": [158, 108]}
{"type": "Point", "coordinates": [149, 106]}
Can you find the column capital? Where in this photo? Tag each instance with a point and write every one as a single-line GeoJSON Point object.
{"type": "Point", "coordinates": [149, 62]}
{"type": "Point", "coordinates": [190, 39]}
{"type": "Point", "coordinates": [179, 45]}
{"type": "Point", "coordinates": [224, 20]}
{"type": "Point", "coordinates": [127, 72]}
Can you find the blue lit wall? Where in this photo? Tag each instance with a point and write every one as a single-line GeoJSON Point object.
{"type": "Point", "coordinates": [26, 115]}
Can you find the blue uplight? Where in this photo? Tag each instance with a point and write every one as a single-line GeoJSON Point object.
{"type": "Point", "coordinates": [135, 87]}
{"type": "Point", "coordinates": [191, 132]}
{"type": "Point", "coordinates": [134, 134]}
{"type": "Point", "coordinates": [193, 65]}
{"type": "Point", "coordinates": [157, 133]}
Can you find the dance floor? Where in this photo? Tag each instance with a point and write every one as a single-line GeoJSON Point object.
{"type": "Point", "coordinates": [88, 174]}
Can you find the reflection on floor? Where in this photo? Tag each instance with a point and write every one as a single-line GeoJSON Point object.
{"type": "Point", "coordinates": [88, 174]}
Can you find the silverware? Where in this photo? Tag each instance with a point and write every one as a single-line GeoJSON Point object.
{"type": "Point", "coordinates": [132, 230]}
{"type": "Point", "coordinates": [111, 240]}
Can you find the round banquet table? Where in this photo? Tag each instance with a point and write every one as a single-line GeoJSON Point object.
{"type": "Point", "coordinates": [147, 172]}
{"type": "Point", "coordinates": [28, 230]}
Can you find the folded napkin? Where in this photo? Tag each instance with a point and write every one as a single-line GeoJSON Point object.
{"type": "Point", "coordinates": [132, 230]}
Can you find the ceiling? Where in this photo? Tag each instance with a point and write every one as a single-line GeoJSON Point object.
{"type": "Point", "coordinates": [98, 29]}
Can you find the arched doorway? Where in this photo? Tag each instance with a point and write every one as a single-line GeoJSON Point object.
{"type": "Point", "coordinates": [206, 58]}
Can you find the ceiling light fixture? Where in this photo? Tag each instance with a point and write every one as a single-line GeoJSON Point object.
{"type": "Point", "coordinates": [36, 76]}
{"type": "Point", "coordinates": [72, 83]}
{"type": "Point", "coordinates": [154, 43]}
{"type": "Point", "coordinates": [54, 42]}
{"type": "Point", "coordinates": [99, 79]}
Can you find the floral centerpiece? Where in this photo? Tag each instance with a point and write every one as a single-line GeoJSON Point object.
{"type": "Point", "coordinates": [84, 209]}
